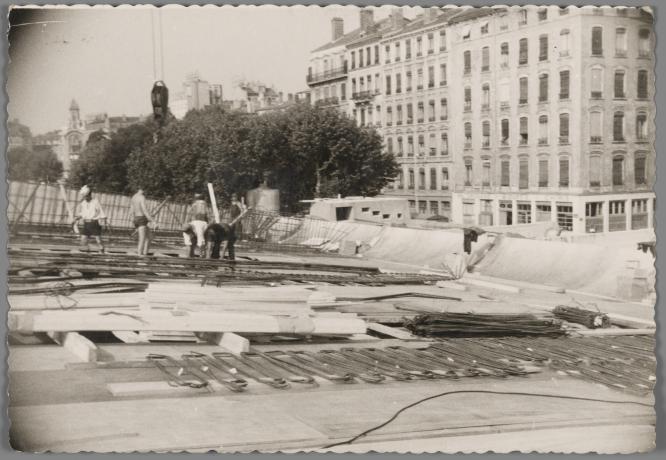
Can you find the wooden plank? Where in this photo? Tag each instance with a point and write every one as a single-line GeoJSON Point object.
{"type": "Point", "coordinates": [520, 284]}
{"type": "Point", "coordinates": [452, 285]}
{"type": "Point", "coordinates": [392, 331]}
{"type": "Point", "coordinates": [75, 343]}
{"type": "Point", "coordinates": [631, 322]}
{"type": "Point", "coordinates": [85, 320]}
{"type": "Point", "coordinates": [160, 388]}
{"type": "Point", "coordinates": [490, 285]}
{"type": "Point", "coordinates": [614, 332]}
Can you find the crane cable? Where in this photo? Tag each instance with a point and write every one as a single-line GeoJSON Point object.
{"type": "Point", "coordinates": [159, 41]}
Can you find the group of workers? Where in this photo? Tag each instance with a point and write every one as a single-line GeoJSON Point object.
{"type": "Point", "coordinates": [202, 237]}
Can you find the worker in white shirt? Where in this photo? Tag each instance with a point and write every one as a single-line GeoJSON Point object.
{"type": "Point", "coordinates": [91, 213]}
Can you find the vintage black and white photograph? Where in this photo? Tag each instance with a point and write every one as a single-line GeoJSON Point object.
{"type": "Point", "coordinates": [331, 229]}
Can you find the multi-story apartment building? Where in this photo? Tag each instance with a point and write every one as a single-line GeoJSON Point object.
{"type": "Point", "coordinates": [501, 116]}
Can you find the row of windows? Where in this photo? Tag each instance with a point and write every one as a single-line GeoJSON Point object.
{"type": "Point", "coordinates": [596, 125]}
{"type": "Point", "coordinates": [404, 146]}
{"type": "Point", "coordinates": [642, 40]}
{"type": "Point", "coordinates": [417, 82]}
{"type": "Point", "coordinates": [437, 181]}
{"type": "Point", "coordinates": [619, 83]}
{"type": "Point", "coordinates": [414, 47]}
{"type": "Point", "coordinates": [618, 173]}
{"type": "Point", "coordinates": [408, 112]}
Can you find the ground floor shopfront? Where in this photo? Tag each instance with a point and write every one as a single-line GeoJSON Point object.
{"type": "Point", "coordinates": [599, 213]}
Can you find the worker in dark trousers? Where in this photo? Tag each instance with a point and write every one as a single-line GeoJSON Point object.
{"type": "Point", "coordinates": [220, 237]}
{"type": "Point", "coordinates": [235, 211]}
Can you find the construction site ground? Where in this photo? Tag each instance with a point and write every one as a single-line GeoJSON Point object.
{"type": "Point", "coordinates": [60, 403]}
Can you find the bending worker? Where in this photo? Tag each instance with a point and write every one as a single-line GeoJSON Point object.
{"type": "Point", "coordinates": [220, 237]}
{"type": "Point", "coordinates": [193, 233]}
{"type": "Point", "coordinates": [90, 211]}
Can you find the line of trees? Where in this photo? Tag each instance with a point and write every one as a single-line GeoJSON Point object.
{"type": "Point", "coordinates": [308, 151]}
{"type": "Point", "coordinates": [36, 164]}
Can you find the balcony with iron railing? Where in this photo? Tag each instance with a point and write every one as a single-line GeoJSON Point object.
{"type": "Point", "coordinates": [328, 101]}
{"type": "Point", "coordinates": [332, 74]}
{"type": "Point", "coordinates": [362, 96]}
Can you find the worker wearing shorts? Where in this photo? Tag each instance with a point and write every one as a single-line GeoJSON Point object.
{"type": "Point", "coordinates": [198, 213]}
{"type": "Point", "coordinates": [90, 213]}
{"type": "Point", "coordinates": [141, 220]}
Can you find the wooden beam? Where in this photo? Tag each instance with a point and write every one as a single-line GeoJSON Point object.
{"type": "Point", "coordinates": [171, 320]}
{"type": "Point", "coordinates": [490, 285]}
{"type": "Point", "coordinates": [75, 343]}
{"type": "Point", "coordinates": [231, 342]}
{"type": "Point", "coordinates": [629, 321]}
{"type": "Point", "coordinates": [213, 203]}
{"type": "Point", "coordinates": [392, 331]}
{"type": "Point", "coordinates": [614, 332]}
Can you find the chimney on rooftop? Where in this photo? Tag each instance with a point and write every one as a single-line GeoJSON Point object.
{"type": "Point", "coordinates": [396, 18]}
{"type": "Point", "coordinates": [367, 19]}
{"type": "Point", "coordinates": [337, 28]}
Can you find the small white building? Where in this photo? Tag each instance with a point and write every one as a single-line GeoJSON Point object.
{"type": "Point", "coordinates": [380, 210]}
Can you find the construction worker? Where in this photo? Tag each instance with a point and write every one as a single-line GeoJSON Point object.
{"type": "Point", "coordinates": [91, 213]}
{"type": "Point", "coordinates": [142, 218]}
{"type": "Point", "coordinates": [197, 216]}
{"type": "Point", "coordinates": [236, 210]}
{"type": "Point", "coordinates": [220, 237]}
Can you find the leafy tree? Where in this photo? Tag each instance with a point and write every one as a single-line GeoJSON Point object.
{"type": "Point", "coordinates": [103, 161]}
{"type": "Point", "coordinates": [38, 165]}
{"type": "Point", "coordinates": [308, 151]}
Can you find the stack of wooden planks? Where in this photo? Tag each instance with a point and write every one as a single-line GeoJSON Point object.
{"type": "Point", "coordinates": [182, 307]}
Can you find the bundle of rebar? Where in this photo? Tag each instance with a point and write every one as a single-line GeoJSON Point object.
{"type": "Point", "coordinates": [588, 318]}
{"type": "Point", "coordinates": [484, 325]}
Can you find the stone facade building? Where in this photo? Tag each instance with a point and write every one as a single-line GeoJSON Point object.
{"type": "Point", "coordinates": [502, 116]}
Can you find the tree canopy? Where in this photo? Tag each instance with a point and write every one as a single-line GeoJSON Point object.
{"type": "Point", "coordinates": [103, 161]}
{"type": "Point", "coordinates": [40, 164]}
{"type": "Point", "coordinates": [307, 151]}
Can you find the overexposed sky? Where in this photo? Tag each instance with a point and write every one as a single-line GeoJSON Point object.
{"type": "Point", "coordinates": [103, 57]}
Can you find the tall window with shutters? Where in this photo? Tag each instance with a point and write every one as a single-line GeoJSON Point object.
{"type": "Point", "coordinates": [505, 172]}
{"type": "Point", "coordinates": [543, 87]}
{"type": "Point", "coordinates": [410, 146]}
{"type": "Point", "coordinates": [564, 84]}
{"type": "Point", "coordinates": [485, 127]}
{"type": "Point", "coordinates": [618, 84]}
{"type": "Point", "coordinates": [485, 59]}
{"type": "Point", "coordinates": [596, 124]}
{"type": "Point", "coordinates": [618, 127]}
{"type": "Point", "coordinates": [433, 179]}
{"type": "Point", "coordinates": [523, 133]}
{"type": "Point", "coordinates": [543, 130]}
{"type": "Point", "coordinates": [443, 109]}
{"type": "Point", "coordinates": [564, 172]}
{"type": "Point", "coordinates": [432, 145]}
{"type": "Point", "coordinates": [522, 51]}
{"type": "Point", "coordinates": [421, 145]}
{"type": "Point", "coordinates": [485, 96]}
{"type": "Point", "coordinates": [618, 171]}
{"type": "Point", "coordinates": [467, 62]}
{"type": "Point", "coordinates": [485, 174]}
{"type": "Point", "coordinates": [468, 99]}
{"type": "Point", "coordinates": [595, 171]}
{"type": "Point", "coordinates": [564, 128]}
{"type": "Point", "coordinates": [411, 179]}
{"type": "Point", "coordinates": [468, 172]}
{"type": "Point", "coordinates": [468, 135]}
{"type": "Point", "coordinates": [543, 47]}
{"type": "Point", "coordinates": [444, 184]}
{"type": "Point", "coordinates": [523, 173]}
{"type": "Point", "coordinates": [442, 75]}
{"type": "Point", "coordinates": [640, 169]}
{"type": "Point", "coordinates": [504, 132]}
{"type": "Point", "coordinates": [596, 83]}
{"type": "Point", "coordinates": [620, 42]}
{"type": "Point", "coordinates": [410, 113]}
{"type": "Point", "coordinates": [401, 147]}
{"type": "Point", "coordinates": [597, 41]}
{"type": "Point", "coordinates": [422, 178]}
{"type": "Point", "coordinates": [523, 90]}
{"type": "Point", "coordinates": [431, 77]}
{"type": "Point", "coordinates": [644, 43]}
{"type": "Point", "coordinates": [642, 84]}
{"type": "Point", "coordinates": [543, 172]}
{"type": "Point", "coordinates": [504, 55]}
{"type": "Point", "coordinates": [445, 144]}
{"type": "Point", "coordinates": [641, 126]}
